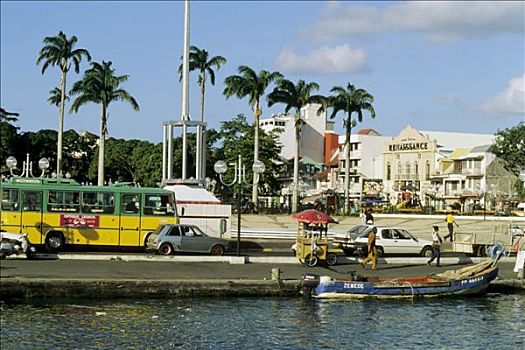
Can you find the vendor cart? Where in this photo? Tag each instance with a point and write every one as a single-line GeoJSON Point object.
{"type": "Point", "coordinates": [312, 238]}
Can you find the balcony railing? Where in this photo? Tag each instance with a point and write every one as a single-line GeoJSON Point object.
{"type": "Point", "coordinates": [406, 177]}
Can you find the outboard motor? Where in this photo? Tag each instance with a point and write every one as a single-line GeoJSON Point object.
{"type": "Point", "coordinates": [308, 283]}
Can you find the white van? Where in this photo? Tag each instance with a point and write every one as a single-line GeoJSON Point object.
{"type": "Point", "coordinates": [520, 210]}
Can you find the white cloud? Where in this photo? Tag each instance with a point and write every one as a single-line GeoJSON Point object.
{"type": "Point", "coordinates": [511, 101]}
{"type": "Point", "coordinates": [325, 60]}
{"type": "Point", "coordinates": [438, 21]}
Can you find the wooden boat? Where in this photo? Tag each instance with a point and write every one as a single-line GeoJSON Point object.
{"type": "Point", "coordinates": [466, 281]}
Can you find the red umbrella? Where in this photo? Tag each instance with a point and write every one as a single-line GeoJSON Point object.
{"type": "Point", "coordinates": [313, 216]}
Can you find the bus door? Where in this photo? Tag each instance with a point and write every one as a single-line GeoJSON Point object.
{"type": "Point", "coordinates": [11, 218]}
{"type": "Point", "coordinates": [130, 209]}
{"type": "Point", "coordinates": [32, 215]}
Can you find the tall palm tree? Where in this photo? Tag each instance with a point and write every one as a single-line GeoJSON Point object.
{"type": "Point", "coordinates": [200, 60]}
{"type": "Point", "coordinates": [295, 96]}
{"type": "Point", "coordinates": [350, 100]}
{"type": "Point", "coordinates": [248, 83]}
{"type": "Point", "coordinates": [59, 51]}
{"type": "Point", "coordinates": [55, 97]}
{"type": "Point", "coordinates": [101, 85]}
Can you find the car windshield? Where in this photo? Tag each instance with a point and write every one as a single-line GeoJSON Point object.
{"type": "Point", "coordinates": [357, 230]}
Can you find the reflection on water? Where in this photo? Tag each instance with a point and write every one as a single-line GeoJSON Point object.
{"type": "Point", "coordinates": [494, 321]}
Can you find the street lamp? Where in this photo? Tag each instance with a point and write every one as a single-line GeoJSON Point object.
{"type": "Point", "coordinates": [27, 166]}
{"type": "Point", "coordinates": [220, 168]}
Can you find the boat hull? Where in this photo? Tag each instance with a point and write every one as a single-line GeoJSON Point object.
{"type": "Point", "coordinates": [329, 288]}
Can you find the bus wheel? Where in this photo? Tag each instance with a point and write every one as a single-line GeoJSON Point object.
{"type": "Point", "coordinates": [54, 242]}
{"type": "Point", "coordinates": [165, 249]}
{"type": "Point", "coordinates": [217, 250]}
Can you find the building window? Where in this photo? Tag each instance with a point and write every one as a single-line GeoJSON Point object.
{"type": "Point", "coordinates": [416, 168]}
{"type": "Point", "coordinates": [388, 171]}
{"type": "Point", "coordinates": [408, 168]}
{"type": "Point", "coordinates": [399, 171]}
{"type": "Point", "coordinates": [427, 165]}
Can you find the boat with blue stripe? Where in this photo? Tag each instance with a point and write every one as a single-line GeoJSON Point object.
{"type": "Point", "coordinates": [470, 280]}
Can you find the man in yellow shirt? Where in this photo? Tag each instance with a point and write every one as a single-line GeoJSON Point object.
{"type": "Point", "coordinates": [450, 225]}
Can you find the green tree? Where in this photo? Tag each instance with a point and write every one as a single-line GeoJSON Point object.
{"type": "Point", "coordinates": [55, 97]}
{"type": "Point", "coordinates": [349, 101]}
{"type": "Point", "coordinates": [8, 136]}
{"type": "Point", "coordinates": [100, 85]}
{"type": "Point", "coordinates": [79, 153]}
{"type": "Point", "coordinates": [8, 116]}
{"type": "Point", "coordinates": [199, 60]}
{"type": "Point", "coordinates": [59, 51]}
{"type": "Point", "coordinates": [295, 96]}
{"type": "Point", "coordinates": [252, 85]}
{"type": "Point", "coordinates": [509, 145]}
{"type": "Point", "coordinates": [236, 137]}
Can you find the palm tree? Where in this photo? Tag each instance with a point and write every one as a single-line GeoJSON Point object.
{"type": "Point", "coordinates": [55, 97]}
{"type": "Point", "coordinates": [199, 60]}
{"type": "Point", "coordinates": [350, 100]}
{"type": "Point", "coordinates": [297, 97]}
{"type": "Point", "coordinates": [100, 85]}
{"type": "Point", "coordinates": [248, 83]}
{"type": "Point", "coordinates": [59, 51]}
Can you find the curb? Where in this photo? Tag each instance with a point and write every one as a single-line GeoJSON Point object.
{"type": "Point", "coordinates": [235, 260]}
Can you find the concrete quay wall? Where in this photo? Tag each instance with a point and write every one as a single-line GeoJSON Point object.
{"type": "Point", "coordinates": [59, 290]}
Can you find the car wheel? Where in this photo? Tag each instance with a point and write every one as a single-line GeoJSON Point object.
{"type": "Point", "coordinates": [165, 249]}
{"type": "Point", "coordinates": [380, 252]}
{"type": "Point", "coordinates": [310, 260]}
{"type": "Point", "coordinates": [217, 250]}
{"type": "Point", "coordinates": [427, 252]}
{"type": "Point", "coordinates": [54, 242]}
{"type": "Point", "coordinates": [331, 259]}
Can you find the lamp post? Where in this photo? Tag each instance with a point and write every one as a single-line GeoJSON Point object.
{"type": "Point", "coordinates": [239, 178]}
{"type": "Point", "coordinates": [27, 166]}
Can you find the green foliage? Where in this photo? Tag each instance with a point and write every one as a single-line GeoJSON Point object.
{"type": "Point", "coordinates": [294, 96]}
{"type": "Point", "coordinates": [6, 116]}
{"type": "Point", "coordinates": [8, 140]}
{"type": "Point", "coordinates": [510, 146]}
{"type": "Point", "coordinates": [59, 51]}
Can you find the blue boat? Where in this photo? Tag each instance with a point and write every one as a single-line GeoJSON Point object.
{"type": "Point", "coordinates": [470, 280]}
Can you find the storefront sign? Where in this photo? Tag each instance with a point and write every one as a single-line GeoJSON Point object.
{"type": "Point", "coordinates": [412, 146]}
{"type": "Point", "coordinates": [79, 220]}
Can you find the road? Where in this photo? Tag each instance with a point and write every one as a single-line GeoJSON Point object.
{"type": "Point", "coordinates": [170, 270]}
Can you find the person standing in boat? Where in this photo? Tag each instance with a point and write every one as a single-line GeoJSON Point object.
{"type": "Point", "coordinates": [372, 251]}
{"type": "Point", "coordinates": [436, 246]}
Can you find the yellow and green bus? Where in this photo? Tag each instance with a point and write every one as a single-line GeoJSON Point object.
{"type": "Point", "coordinates": [55, 212]}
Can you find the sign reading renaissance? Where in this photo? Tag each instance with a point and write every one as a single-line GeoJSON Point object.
{"type": "Point", "coordinates": [412, 146]}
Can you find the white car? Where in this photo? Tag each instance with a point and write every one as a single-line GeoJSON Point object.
{"type": "Point", "coordinates": [394, 240]}
{"type": "Point", "coordinates": [346, 240]}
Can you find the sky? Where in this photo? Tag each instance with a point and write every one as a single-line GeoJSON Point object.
{"type": "Point", "coordinates": [441, 66]}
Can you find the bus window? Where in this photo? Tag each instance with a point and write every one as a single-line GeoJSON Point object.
{"type": "Point", "coordinates": [159, 205]}
{"type": "Point", "coordinates": [130, 203]}
{"type": "Point", "coordinates": [98, 202]}
{"type": "Point", "coordinates": [67, 201]}
{"type": "Point", "coordinates": [10, 201]}
{"type": "Point", "coordinates": [32, 200]}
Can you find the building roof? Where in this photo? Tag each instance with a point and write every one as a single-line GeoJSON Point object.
{"type": "Point", "coordinates": [191, 194]}
{"type": "Point", "coordinates": [459, 153]}
{"type": "Point", "coordinates": [368, 131]}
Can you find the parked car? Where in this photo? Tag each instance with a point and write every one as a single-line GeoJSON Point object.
{"type": "Point", "coordinates": [394, 240]}
{"type": "Point", "coordinates": [346, 240]}
{"type": "Point", "coordinates": [183, 238]}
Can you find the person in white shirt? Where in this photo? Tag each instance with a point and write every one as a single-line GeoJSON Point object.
{"type": "Point", "coordinates": [436, 246]}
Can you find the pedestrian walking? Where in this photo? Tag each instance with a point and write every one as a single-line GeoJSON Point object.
{"type": "Point", "coordinates": [450, 225]}
{"type": "Point", "coordinates": [436, 246]}
{"type": "Point", "coordinates": [372, 251]}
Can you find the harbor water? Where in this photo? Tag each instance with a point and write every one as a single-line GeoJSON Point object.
{"type": "Point", "coordinates": [494, 321]}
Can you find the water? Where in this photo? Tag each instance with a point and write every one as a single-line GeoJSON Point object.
{"type": "Point", "coordinates": [490, 322]}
